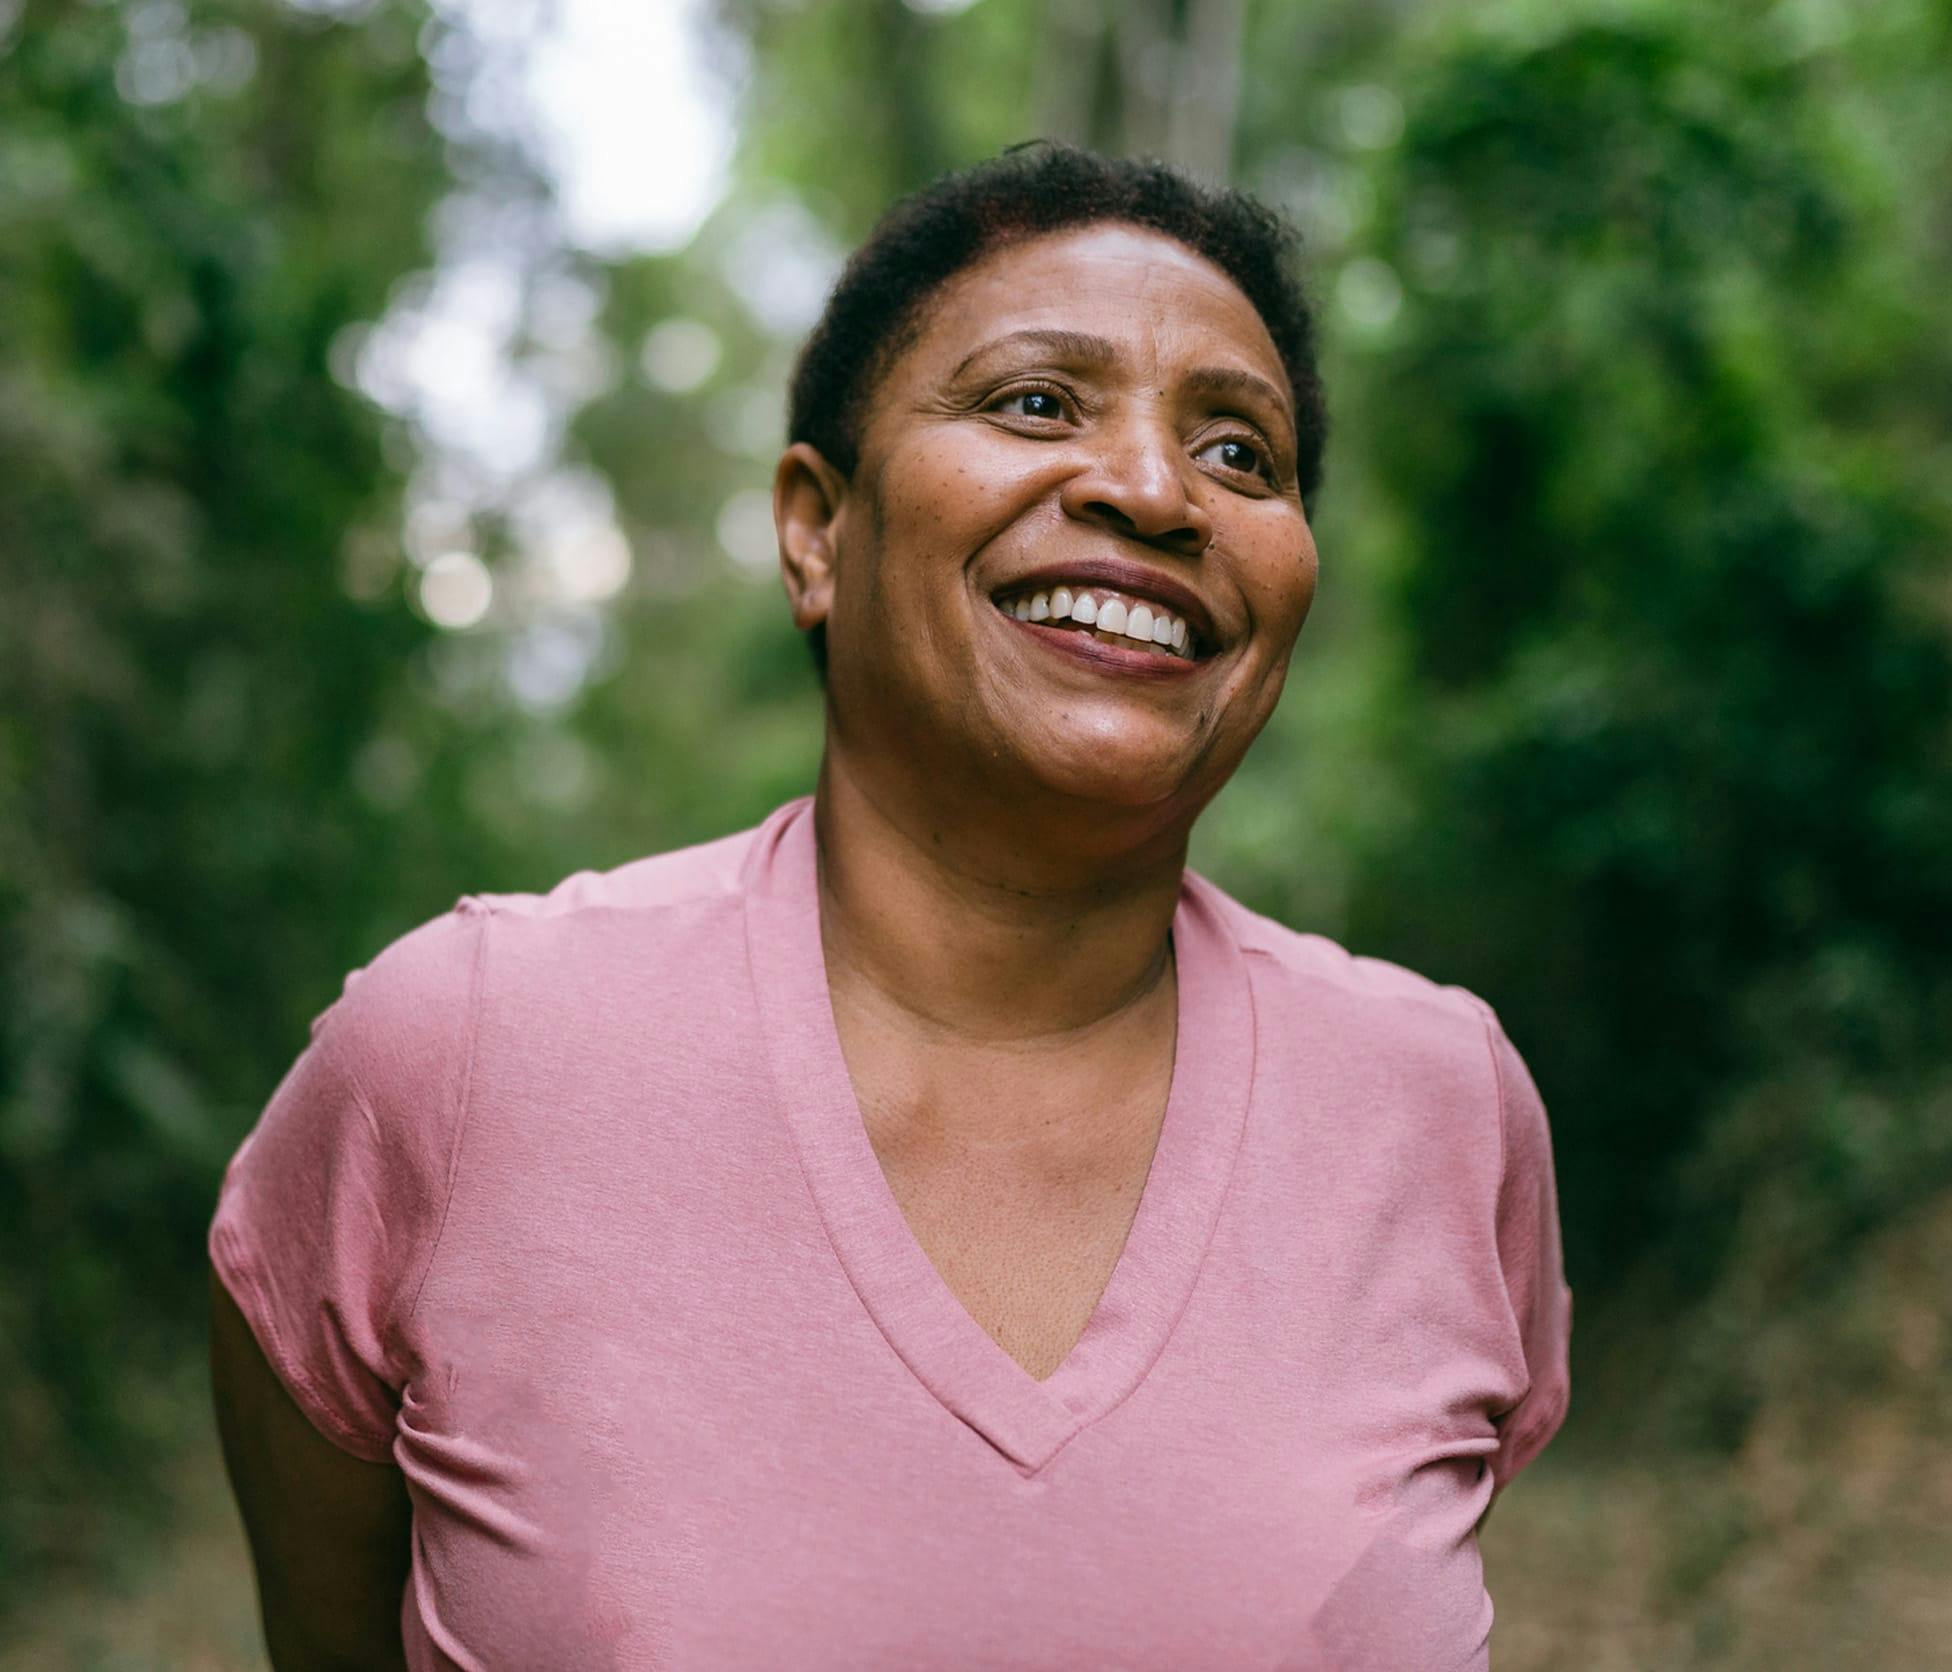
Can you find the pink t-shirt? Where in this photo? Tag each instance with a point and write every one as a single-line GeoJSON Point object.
{"type": "Point", "coordinates": [568, 1210]}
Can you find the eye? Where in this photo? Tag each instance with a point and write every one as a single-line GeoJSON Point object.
{"type": "Point", "coordinates": [1239, 455]}
{"type": "Point", "coordinates": [1030, 403]}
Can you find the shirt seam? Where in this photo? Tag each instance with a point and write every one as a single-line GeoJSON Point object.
{"type": "Point", "coordinates": [1498, 1090]}
{"type": "Point", "coordinates": [1436, 996]}
{"type": "Point", "coordinates": [485, 913]}
{"type": "Point", "coordinates": [490, 905]}
{"type": "Point", "coordinates": [1488, 1018]}
{"type": "Point", "coordinates": [711, 888]}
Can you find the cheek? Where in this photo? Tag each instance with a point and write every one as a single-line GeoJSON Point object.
{"type": "Point", "coordinates": [946, 492]}
{"type": "Point", "coordinates": [1281, 565]}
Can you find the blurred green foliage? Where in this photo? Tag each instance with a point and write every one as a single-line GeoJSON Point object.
{"type": "Point", "coordinates": [1674, 694]}
{"type": "Point", "coordinates": [1626, 701]}
{"type": "Point", "coordinates": [182, 680]}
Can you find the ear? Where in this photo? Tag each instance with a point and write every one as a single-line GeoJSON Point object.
{"type": "Point", "coordinates": [808, 497]}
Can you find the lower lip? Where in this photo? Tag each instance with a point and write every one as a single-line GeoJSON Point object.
{"type": "Point", "coordinates": [1110, 658]}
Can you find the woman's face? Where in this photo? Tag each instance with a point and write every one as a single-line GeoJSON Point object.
{"type": "Point", "coordinates": [1098, 412]}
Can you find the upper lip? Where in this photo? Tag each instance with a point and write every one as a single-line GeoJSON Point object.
{"type": "Point", "coordinates": [1121, 575]}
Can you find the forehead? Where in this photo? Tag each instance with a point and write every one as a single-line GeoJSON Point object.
{"type": "Point", "coordinates": [1160, 302]}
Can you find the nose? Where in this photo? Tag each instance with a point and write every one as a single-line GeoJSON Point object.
{"type": "Point", "coordinates": [1136, 484]}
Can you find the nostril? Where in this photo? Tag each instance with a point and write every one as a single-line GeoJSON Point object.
{"type": "Point", "coordinates": [1186, 536]}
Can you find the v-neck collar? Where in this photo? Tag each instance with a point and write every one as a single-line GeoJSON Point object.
{"type": "Point", "coordinates": [946, 1349]}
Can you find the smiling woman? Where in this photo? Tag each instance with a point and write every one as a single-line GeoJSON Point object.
{"type": "Point", "coordinates": [933, 1227]}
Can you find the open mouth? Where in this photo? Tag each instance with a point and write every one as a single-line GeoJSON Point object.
{"type": "Point", "coordinates": [1111, 617]}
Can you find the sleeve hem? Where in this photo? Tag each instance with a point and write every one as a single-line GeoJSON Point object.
{"type": "Point", "coordinates": [233, 1267]}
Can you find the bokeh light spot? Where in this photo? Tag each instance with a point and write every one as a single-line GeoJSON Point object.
{"type": "Point", "coordinates": [456, 590]}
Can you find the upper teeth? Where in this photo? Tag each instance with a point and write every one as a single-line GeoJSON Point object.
{"type": "Point", "coordinates": [1109, 612]}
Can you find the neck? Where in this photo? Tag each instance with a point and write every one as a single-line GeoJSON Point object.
{"type": "Point", "coordinates": [993, 928]}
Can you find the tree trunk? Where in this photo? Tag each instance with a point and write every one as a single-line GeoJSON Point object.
{"type": "Point", "coordinates": [1145, 78]}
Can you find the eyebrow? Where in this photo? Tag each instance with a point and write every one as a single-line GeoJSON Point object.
{"type": "Point", "coordinates": [1083, 349]}
{"type": "Point", "coordinates": [1079, 347]}
{"type": "Point", "coordinates": [1231, 382]}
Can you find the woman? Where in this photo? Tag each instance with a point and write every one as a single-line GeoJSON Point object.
{"type": "Point", "coordinates": [932, 1228]}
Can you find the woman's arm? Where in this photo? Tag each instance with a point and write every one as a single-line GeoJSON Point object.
{"type": "Point", "coordinates": [330, 1534]}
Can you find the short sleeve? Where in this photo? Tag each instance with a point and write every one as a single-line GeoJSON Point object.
{"type": "Point", "coordinates": [331, 1208]}
{"type": "Point", "coordinates": [1530, 1254]}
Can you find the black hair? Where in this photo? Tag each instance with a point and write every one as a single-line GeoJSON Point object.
{"type": "Point", "coordinates": [878, 304]}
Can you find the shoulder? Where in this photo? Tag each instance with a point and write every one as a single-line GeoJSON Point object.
{"type": "Point", "coordinates": [1396, 1032]}
{"type": "Point", "coordinates": [704, 872]}
{"type": "Point", "coordinates": [411, 1013]}
{"type": "Point", "coordinates": [660, 919]}
{"type": "Point", "coordinates": [1303, 967]}
{"type": "Point", "coordinates": [400, 1025]}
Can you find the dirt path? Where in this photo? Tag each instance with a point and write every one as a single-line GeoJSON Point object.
{"type": "Point", "coordinates": [188, 1605]}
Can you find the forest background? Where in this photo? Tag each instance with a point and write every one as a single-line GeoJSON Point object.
{"type": "Point", "coordinates": [379, 522]}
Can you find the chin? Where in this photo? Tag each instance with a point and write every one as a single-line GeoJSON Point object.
{"type": "Point", "coordinates": [1114, 777]}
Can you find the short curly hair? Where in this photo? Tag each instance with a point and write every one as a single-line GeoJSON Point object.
{"type": "Point", "coordinates": [878, 304]}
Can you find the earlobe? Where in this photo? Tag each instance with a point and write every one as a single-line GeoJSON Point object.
{"type": "Point", "coordinates": [808, 498]}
